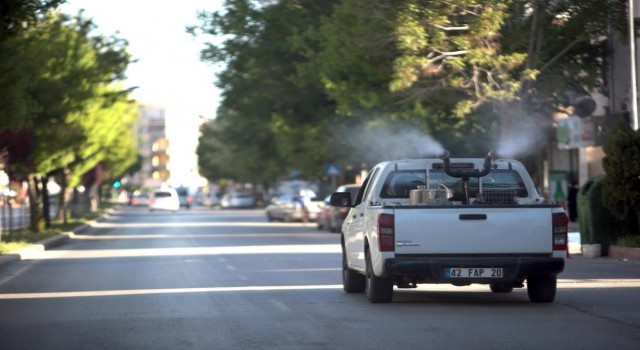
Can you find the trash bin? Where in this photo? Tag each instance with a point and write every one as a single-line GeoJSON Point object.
{"type": "Point", "coordinates": [597, 223]}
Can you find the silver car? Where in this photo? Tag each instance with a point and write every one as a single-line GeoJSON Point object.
{"type": "Point", "coordinates": [289, 208]}
{"type": "Point", "coordinates": [238, 200]}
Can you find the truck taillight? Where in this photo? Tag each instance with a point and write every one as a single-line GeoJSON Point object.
{"type": "Point", "coordinates": [560, 231]}
{"type": "Point", "coordinates": [386, 232]}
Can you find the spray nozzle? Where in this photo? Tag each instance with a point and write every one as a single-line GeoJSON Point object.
{"type": "Point", "coordinates": [493, 154]}
{"type": "Point", "coordinates": [444, 154]}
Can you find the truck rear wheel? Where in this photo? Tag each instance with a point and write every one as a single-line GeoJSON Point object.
{"type": "Point", "coordinates": [379, 289]}
{"type": "Point", "coordinates": [541, 288]}
{"type": "Point", "coordinates": [352, 281]}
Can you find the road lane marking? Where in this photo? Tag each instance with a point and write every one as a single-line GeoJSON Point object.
{"type": "Point", "coordinates": [129, 292]}
{"type": "Point", "coordinates": [186, 251]}
{"type": "Point", "coordinates": [189, 235]}
{"type": "Point", "coordinates": [304, 270]}
{"type": "Point", "coordinates": [194, 224]}
{"type": "Point", "coordinates": [562, 284]}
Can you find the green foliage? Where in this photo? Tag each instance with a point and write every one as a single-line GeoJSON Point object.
{"type": "Point", "coordinates": [353, 54]}
{"type": "Point", "coordinates": [629, 241]}
{"type": "Point", "coordinates": [621, 190]}
{"type": "Point", "coordinates": [262, 92]}
{"type": "Point", "coordinates": [15, 15]}
{"type": "Point", "coordinates": [70, 70]}
{"type": "Point", "coordinates": [109, 136]}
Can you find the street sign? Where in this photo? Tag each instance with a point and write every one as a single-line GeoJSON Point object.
{"type": "Point", "coordinates": [332, 169]}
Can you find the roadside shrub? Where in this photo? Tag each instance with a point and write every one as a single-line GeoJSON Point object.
{"type": "Point", "coordinates": [629, 241]}
{"type": "Point", "coordinates": [621, 186]}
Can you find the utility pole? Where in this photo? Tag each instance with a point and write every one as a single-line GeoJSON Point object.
{"type": "Point", "coordinates": [632, 49]}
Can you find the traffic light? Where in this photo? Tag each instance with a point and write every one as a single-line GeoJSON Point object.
{"type": "Point", "coordinates": [117, 184]}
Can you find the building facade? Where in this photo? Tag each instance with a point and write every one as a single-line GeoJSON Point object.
{"type": "Point", "coordinates": [150, 131]}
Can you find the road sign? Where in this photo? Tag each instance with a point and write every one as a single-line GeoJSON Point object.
{"type": "Point", "coordinates": [332, 169]}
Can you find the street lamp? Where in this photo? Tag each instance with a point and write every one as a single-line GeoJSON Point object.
{"type": "Point", "coordinates": [632, 49]}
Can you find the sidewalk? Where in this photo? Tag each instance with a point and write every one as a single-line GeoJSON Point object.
{"type": "Point", "coordinates": [51, 242]}
{"type": "Point", "coordinates": [574, 227]}
{"type": "Point", "coordinates": [23, 253]}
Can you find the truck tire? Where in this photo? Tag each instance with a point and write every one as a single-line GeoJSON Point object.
{"type": "Point", "coordinates": [352, 281]}
{"type": "Point", "coordinates": [501, 287]}
{"type": "Point", "coordinates": [379, 289]}
{"type": "Point", "coordinates": [541, 288]}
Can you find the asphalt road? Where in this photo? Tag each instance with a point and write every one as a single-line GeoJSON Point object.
{"type": "Point", "coordinates": [204, 279]}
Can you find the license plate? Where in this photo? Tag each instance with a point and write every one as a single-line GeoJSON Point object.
{"type": "Point", "coordinates": [473, 272]}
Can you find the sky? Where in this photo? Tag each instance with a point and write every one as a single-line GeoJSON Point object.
{"type": "Point", "coordinates": [168, 71]}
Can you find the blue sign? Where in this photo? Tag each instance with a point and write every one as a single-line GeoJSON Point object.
{"type": "Point", "coordinates": [332, 169]}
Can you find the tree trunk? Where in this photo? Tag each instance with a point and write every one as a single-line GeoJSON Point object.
{"type": "Point", "coordinates": [34, 203]}
{"type": "Point", "coordinates": [95, 187]}
{"type": "Point", "coordinates": [67, 195]}
{"type": "Point", "coordinates": [45, 202]}
{"type": "Point", "coordinates": [94, 196]}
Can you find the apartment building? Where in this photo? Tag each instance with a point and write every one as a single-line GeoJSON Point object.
{"type": "Point", "coordinates": [150, 131]}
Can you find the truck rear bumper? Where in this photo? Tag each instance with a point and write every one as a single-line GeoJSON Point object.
{"type": "Point", "coordinates": [432, 269]}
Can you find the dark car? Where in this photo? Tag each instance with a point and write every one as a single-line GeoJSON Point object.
{"type": "Point", "coordinates": [185, 198]}
{"type": "Point", "coordinates": [338, 214]}
{"type": "Point", "coordinates": [141, 199]}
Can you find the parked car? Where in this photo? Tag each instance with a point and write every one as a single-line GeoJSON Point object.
{"type": "Point", "coordinates": [141, 199]}
{"type": "Point", "coordinates": [289, 208]}
{"type": "Point", "coordinates": [185, 198]}
{"type": "Point", "coordinates": [164, 199]}
{"type": "Point", "coordinates": [338, 214]}
{"type": "Point", "coordinates": [213, 199]}
{"type": "Point", "coordinates": [324, 215]}
{"type": "Point", "coordinates": [237, 200]}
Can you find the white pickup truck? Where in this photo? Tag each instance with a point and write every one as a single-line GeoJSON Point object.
{"type": "Point", "coordinates": [454, 221]}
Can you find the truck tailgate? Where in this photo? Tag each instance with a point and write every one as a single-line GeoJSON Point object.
{"type": "Point", "coordinates": [504, 230]}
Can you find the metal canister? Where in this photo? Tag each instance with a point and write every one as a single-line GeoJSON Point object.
{"type": "Point", "coordinates": [419, 195]}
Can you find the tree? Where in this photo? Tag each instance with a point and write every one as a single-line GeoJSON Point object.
{"type": "Point", "coordinates": [472, 72]}
{"type": "Point", "coordinates": [108, 142]}
{"type": "Point", "coordinates": [70, 71]}
{"type": "Point", "coordinates": [15, 15]}
{"type": "Point", "coordinates": [264, 118]}
{"type": "Point", "coordinates": [465, 71]}
{"type": "Point", "coordinates": [18, 59]}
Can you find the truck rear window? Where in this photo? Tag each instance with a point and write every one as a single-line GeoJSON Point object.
{"type": "Point", "coordinates": [398, 183]}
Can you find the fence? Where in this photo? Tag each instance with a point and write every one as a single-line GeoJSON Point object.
{"type": "Point", "coordinates": [16, 217]}
{"type": "Point", "coordinates": [13, 217]}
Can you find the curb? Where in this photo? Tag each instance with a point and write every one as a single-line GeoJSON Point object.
{"type": "Point", "coordinates": [48, 243]}
{"type": "Point", "coordinates": [36, 248]}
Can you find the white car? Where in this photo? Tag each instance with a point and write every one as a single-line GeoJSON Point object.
{"type": "Point", "coordinates": [164, 199]}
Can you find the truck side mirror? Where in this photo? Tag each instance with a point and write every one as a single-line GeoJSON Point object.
{"type": "Point", "coordinates": [341, 199]}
